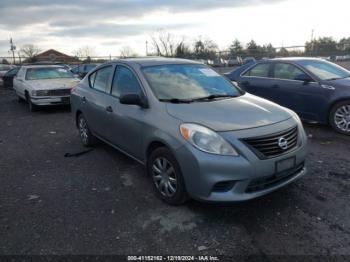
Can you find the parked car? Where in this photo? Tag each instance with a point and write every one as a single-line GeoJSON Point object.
{"type": "Point", "coordinates": [8, 77]}
{"type": "Point", "coordinates": [235, 61]}
{"type": "Point", "coordinates": [219, 62]}
{"type": "Point", "coordinates": [197, 134]}
{"type": "Point", "coordinates": [43, 85]}
{"type": "Point", "coordinates": [81, 70]}
{"type": "Point", "coordinates": [316, 89]}
{"type": "Point", "coordinates": [3, 70]}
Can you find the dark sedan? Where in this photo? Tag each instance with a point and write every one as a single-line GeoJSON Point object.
{"type": "Point", "coordinates": [316, 89]}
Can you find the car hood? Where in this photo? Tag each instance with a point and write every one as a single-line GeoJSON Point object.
{"type": "Point", "coordinates": [238, 113]}
{"type": "Point", "coordinates": [45, 84]}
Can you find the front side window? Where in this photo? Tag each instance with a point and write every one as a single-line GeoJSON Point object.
{"type": "Point", "coordinates": [124, 82]}
{"type": "Point", "coordinates": [260, 70]}
{"type": "Point", "coordinates": [286, 71]}
{"type": "Point", "coordinates": [189, 81]}
{"type": "Point", "coordinates": [48, 73]}
{"type": "Point", "coordinates": [325, 70]}
{"type": "Point", "coordinates": [12, 72]}
{"type": "Point", "coordinates": [99, 80]}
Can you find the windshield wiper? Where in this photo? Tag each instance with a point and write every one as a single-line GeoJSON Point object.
{"type": "Point", "coordinates": [176, 100]}
{"type": "Point", "coordinates": [212, 97]}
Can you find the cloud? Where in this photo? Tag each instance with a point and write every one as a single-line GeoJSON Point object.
{"type": "Point", "coordinates": [42, 21]}
{"type": "Point", "coordinates": [18, 13]}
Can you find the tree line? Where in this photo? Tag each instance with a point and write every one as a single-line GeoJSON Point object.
{"type": "Point", "coordinates": [168, 45]}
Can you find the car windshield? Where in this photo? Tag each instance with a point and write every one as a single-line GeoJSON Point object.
{"type": "Point", "coordinates": [186, 82]}
{"type": "Point", "coordinates": [325, 70]}
{"type": "Point", "coordinates": [48, 73]}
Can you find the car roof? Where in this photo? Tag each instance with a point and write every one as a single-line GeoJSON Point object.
{"type": "Point", "coordinates": [42, 66]}
{"type": "Point", "coordinates": [295, 59]}
{"type": "Point", "coordinates": [154, 61]}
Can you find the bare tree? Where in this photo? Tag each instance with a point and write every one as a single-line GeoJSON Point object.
{"type": "Point", "coordinates": [165, 44]}
{"type": "Point", "coordinates": [126, 51]}
{"type": "Point", "coordinates": [85, 52]}
{"type": "Point", "coordinates": [30, 50]}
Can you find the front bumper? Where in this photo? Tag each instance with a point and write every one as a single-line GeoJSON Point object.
{"type": "Point", "coordinates": [50, 100]}
{"type": "Point", "coordinates": [219, 178]}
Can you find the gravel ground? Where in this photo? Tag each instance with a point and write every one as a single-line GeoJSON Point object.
{"type": "Point", "coordinates": [102, 203]}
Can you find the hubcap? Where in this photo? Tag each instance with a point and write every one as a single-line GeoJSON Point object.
{"type": "Point", "coordinates": [164, 176]}
{"type": "Point", "coordinates": [342, 118]}
{"type": "Point", "coordinates": [83, 130]}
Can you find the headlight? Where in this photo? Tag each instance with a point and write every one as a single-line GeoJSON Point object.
{"type": "Point", "coordinates": [206, 140]}
{"type": "Point", "coordinates": [40, 92]}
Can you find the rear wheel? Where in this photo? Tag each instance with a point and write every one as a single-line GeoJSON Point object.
{"type": "Point", "coordinates": [86, 137]}
{"type": "Point", "coordinates": [166, 176]}
{"type": "Point", "coordinates": [339, 117]}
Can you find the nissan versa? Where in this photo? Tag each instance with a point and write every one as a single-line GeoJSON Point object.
{"type": "Point", "coordinates": [198, 135]}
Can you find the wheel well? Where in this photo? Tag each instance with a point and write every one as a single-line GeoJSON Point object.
{"type": "Point", "coordinates": [334, 103]}
{"type": "Point", "coordinates": [76, 117]}
{"type": "Point", "coordinates": [153, 146]}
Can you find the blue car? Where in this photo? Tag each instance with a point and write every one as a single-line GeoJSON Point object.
{"type": "Point", "coordinates": [316, 89]}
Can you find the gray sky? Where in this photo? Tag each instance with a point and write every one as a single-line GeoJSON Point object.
{"type": "Point", "coordinates": [108, 25]}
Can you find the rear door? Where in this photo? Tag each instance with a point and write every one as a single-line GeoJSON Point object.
{"type": "Point", "coordinates": [97, 100]}
{"type": "Point", "coordinates": [257, 80]}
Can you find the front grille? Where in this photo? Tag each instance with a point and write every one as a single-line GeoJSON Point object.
{"type": "Point", "coordinates": [260, 184]}
{"type": "Point", "coordinates": [59, 92]}
{"type": "Point", "coordinates": [269, 146]}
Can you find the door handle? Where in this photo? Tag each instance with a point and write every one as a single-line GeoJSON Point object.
{"type": "Point", "coordinates": [275, 86]}
{"type": "Point", "coordinates": [83, 99]}
{"type": "Point", "coordinates": [109, 109]}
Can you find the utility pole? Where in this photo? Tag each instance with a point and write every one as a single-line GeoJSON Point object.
{"type": "Point", "coordinates": [12, 49]}
{"type": "Point", "coordinates": [312, 41]}
{"type": "Point", "coordinates": [146, 48]}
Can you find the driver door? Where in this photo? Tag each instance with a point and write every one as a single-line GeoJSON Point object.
{"type": "Point", "coordinates": [126, 121]}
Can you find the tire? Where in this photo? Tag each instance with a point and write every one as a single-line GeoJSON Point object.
{"type": "Point", "coordinates": [169, 188]}
{"type": "Point", "coordinates": [31, 106]}
{"type": "Point", "coordinates": [339, 117]}
{"type": "Point", "coordinates": [20, 99]}
{"type": "Point", "coordinates": [86, 137]}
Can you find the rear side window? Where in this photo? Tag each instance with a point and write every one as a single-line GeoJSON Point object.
{"type": "Point", "coordinates": [286, 71]}
{"type": "Point", "coordinates": [125, 82]}
{"type": "Point", "coordinates": [260, 70]}
{"type": "Point", "coordinates": [99, 79]}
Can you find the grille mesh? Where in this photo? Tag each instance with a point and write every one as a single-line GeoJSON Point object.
{"type": "Point", "coordinates": [268, 146]}
{"type": "Point", "coordinates": [59, 92]}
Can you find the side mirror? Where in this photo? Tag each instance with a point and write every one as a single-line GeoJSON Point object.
{"type": "Point", "coordinates": [304, 77]}
{"type": "Point", "coordinates": [132, 99]}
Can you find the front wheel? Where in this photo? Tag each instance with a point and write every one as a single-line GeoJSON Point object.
{"type": "Point", "coordinates": [32, 107]}
{"type": "Point", "coordinates": [166, 176]}
{"type": "Point", "coordinates": [339, 117]}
